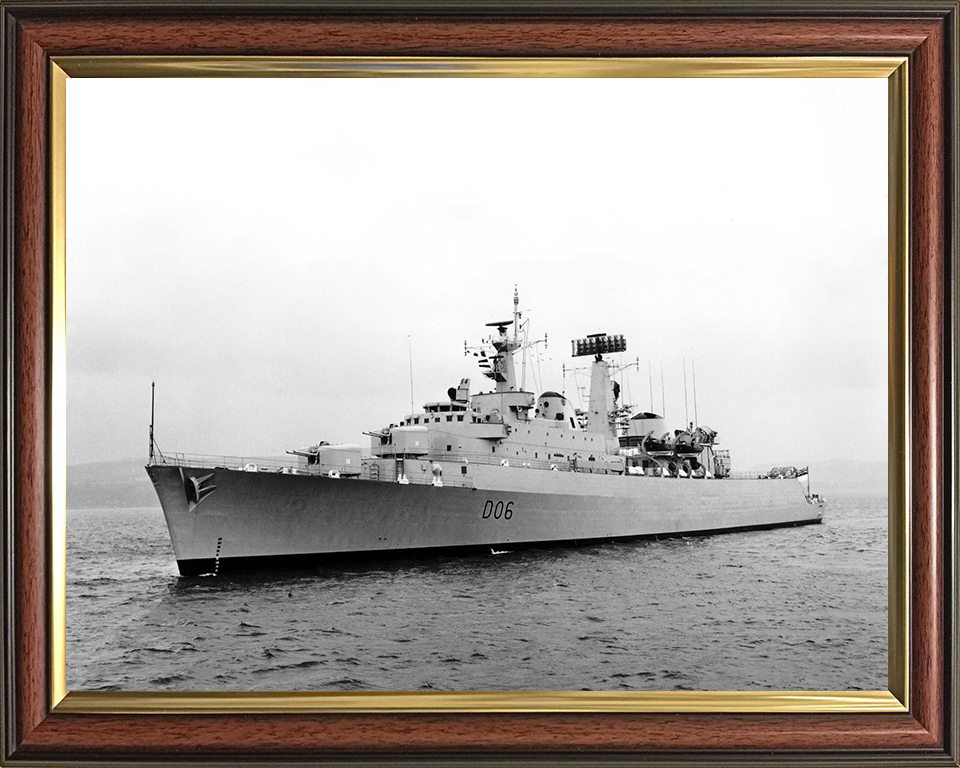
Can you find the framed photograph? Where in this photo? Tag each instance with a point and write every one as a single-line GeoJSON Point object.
{"type": "Point", "coordinates": [380, 379]}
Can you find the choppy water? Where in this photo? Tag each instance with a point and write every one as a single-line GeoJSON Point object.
{"type": "Point", "coordinates": [791, 609]}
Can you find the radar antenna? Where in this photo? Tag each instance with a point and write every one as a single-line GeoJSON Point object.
{"type": "Point", "coordinates": [599, 344]}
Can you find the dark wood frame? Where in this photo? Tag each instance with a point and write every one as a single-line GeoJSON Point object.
{"type": "Point", "coordinates": [926, 32]}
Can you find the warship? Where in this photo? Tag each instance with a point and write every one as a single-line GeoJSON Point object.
{"type": "Point", "coordinates": [475, 472]}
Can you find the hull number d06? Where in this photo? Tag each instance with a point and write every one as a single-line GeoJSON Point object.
{"type": "Point", "coordinates": [497, 510]}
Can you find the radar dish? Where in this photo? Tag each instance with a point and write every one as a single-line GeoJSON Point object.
{"type": "Point", "coordinates": [501, 323]}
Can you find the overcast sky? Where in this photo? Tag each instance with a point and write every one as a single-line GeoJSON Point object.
{"type": "Point", "coordinates": [264, 249]}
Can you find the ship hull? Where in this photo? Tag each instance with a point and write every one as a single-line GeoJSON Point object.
{"type": "Point", "coordinates": [227, 520]}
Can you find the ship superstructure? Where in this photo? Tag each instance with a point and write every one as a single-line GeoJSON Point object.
{"type": "Point", "coordinates": [501, 469]}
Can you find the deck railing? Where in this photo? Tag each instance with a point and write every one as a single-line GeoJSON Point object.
{"type": "Point", "coordinates": [492, 459]}
{"type": "Point", "coordinates": [369, 471]}
{"type": "Point", "coordinates": [292, 466]}
{"type": "Point", "coordinates": [210, 461]}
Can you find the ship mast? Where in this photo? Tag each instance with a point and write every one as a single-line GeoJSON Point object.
{"type": "Point", "coordinates": [601, 416]}
{"type": "Point", "coordinates": [499, 366]}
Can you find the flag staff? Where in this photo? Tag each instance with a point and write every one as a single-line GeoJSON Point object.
{"type": "Point", "coordinates": [153, 390]}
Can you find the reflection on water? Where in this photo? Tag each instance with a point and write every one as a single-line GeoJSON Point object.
{"type": "Point", "coordinates": [790, 609]}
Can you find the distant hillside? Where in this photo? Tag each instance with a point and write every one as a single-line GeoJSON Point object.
{"type": "Point", "coordinates": [844, 475]}
{"type": "Point", "coordinates": [123, 483]}
{"type": "Point", "coordinates": [110, 484]}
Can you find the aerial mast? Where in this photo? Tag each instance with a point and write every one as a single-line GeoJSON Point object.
{"type": "Point", "coordinates": [516, 315]}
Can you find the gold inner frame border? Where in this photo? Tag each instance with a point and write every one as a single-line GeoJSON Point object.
{"type": "Point", "coordinates": [894, 69]}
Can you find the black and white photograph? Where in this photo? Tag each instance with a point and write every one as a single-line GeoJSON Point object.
{"type": "Point", "coordinates": [477, 384]}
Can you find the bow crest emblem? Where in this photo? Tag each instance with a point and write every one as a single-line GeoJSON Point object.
{"type": "Point", "coordinates": [197, 489]}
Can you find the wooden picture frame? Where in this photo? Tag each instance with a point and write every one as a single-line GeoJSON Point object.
{"type": "Point", "coordinates": [41, 728]}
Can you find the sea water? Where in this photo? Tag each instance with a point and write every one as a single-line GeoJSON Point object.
{"type": "Point", "coordinates": [800, 608]}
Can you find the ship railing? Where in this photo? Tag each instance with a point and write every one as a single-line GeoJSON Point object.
{"type": "Point", "coordinates": [281, 466]}
{"type": "Point", "coordinates": [561, 463]}
{"type": "Point", "coordinates": [761, 476]}
{"type": "Point", "coordinates": [247, 463]}
{"type": "Point", "coordinates": [453, 481]}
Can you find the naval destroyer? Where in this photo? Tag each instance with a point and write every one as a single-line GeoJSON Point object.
{"type": "Point", "coordinates": [475, 472]}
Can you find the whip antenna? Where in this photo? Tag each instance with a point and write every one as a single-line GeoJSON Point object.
{"type": "Point", "coordinates": [693, 368]}
{"type": "Point", "coordinates": [663, 406]}
{"type": "Point", "coordinates": [650, 376]}
{"type": "Point", "coordinates": [686, 413]}
{"type": "Point", "coordinates": [410, 355]}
